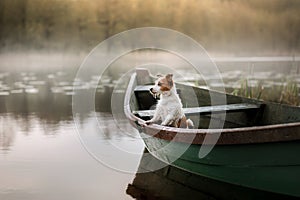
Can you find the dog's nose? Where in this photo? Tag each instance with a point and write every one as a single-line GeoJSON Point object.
{"type": "Point", "coordinates": [153, 91]}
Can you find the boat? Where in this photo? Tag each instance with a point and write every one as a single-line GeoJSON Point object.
{"type": "Point", "coordinates": [169, 182]}
{"type": "Point", "coordinates": [256, 148]}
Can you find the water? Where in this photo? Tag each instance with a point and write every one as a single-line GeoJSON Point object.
{"type": "Point", "coordinates": [42, 158]}
{"type": "Point", "coordinates": [41, 155]}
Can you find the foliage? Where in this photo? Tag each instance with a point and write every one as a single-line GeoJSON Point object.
{"type": "Point", "coordinates": [269, 26]}
{"type": "Point", "coordinates": [249, 91]}
{"type": "Point", "coordinates": [287, 92]}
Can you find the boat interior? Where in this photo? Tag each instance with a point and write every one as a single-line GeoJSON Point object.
{"type": "Point", "coordinates": [228, 110]}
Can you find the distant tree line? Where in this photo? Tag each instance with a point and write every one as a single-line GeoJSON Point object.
{"type": "Point", "coordinates": [255, 26]}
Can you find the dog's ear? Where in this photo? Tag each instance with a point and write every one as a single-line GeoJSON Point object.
{"type": "Point", "coordinates": [169, 77]}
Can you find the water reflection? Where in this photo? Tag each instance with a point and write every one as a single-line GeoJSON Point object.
{"type": "Point", "coordinates": [39, 146]}
{"type": "Point", "coordinates": [30, 92]}
{"type": "Point", "coordinates": [7, 133]}
{"type": "Point", "coordinates": [36, 152]}
{"type": "Point", "coordinates": [27, 97]}
{"type": "Point", "coordinates": [166, 183]}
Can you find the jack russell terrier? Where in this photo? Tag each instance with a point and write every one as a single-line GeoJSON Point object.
{"type": "Point", "coordinates": [169, 108]}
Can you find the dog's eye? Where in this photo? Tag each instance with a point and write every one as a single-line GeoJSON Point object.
{"type": "Point", "coordinates": [159, 84]}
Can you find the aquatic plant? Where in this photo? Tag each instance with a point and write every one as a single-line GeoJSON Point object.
{"type": "Point", "coordinates": [286, 92]}
{"type": "Point", "coordinates": [290, 93]}
{"type": "Point", "coordinates": [248, 90]}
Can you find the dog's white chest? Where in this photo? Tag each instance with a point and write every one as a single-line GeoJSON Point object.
{"type": "Point", "coordinates": [165, 111]}
{"type": "Point", "coordinates": [170, 106]}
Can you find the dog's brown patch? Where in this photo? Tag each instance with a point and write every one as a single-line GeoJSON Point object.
{"type": "Point", "coordinates": [182, 123]}
{"type": "Point", "coordinates": [166, 83]}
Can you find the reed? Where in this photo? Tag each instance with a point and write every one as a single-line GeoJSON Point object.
{"type": "Point", "coordinates": [287, 92]}
{"type": "Point", "coordinates": [248, 90]}
{"type": "Point", "coordinates": [290, 93]}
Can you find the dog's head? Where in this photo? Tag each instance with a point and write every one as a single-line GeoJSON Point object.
{"type": "Point", "coordinates": [162, 84]}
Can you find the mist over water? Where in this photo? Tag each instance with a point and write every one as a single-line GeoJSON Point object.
{"type": "Point", "coordinates": [43, 43]}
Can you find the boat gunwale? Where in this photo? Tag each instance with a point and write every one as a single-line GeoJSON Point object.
{"type": "Point", "coordinates": [255, 134]}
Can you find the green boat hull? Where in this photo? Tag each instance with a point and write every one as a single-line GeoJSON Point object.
{"type": "Point", "coordinates": [171, 182]}
{"type": "Point", "coordinates": [272, 167]}
{"type": "Point", "coordinates": [257, 148]}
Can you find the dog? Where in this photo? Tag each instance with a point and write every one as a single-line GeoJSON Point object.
{"type": "Point", "coordinates": [169, 107]}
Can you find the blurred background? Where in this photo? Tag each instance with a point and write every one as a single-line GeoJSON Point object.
{"type": "Point", "coordinates": [255, 44]}
{"type": "Point", "coordinates": [223, 27]}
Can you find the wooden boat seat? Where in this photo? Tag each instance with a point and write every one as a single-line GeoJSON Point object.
{"type": "Point", "coordinates": [142, 92]}
{"type": "Point", "coordinates": [142, 88]}
{"type": "Point", "coordinates": [204, 110]}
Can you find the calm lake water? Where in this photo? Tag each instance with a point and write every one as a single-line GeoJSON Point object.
{"type": "Point", "coordinates": [41, 153]}
{"type": "Point", "coordinates": [41, 157]}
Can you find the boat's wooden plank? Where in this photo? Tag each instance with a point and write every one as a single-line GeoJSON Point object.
{"type": "Point", "coordinates": [221, 108]}
{"type": "Point", "coordinates": [142, 88]}
{"type": "Point", "coordinates": [208, 109]}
